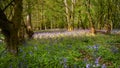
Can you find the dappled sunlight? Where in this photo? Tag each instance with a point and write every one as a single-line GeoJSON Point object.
{"type": "Point", "coordinates": [59, 34]}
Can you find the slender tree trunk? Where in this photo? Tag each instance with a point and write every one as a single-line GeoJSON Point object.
{"type": "Point", "coordinates": [28, 24]}
{"type": "Point", "coordinates": [72, 13]}
{"type": "Point", "coordinates": [29, 29]}
{"type": "Point", "coordinates": [67, 15]}
{"type": "Point", "coordinates": [109, 23]}
{"type": "Point", "coordinates": [100, 19]}
{"type": "Point", "coordinates": [51, 24]}
{"type": "Point", "coordinates": [93, 31]}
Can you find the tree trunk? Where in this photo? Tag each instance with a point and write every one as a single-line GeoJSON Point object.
{"type": "Point", "coordinates": [72, 13]}
{"type": "Point", "coordinates": [12, 42]}
{"type": "Point", "coordinates": [17, 21]}
{"type": "Point", "coordinates": [108, 27]}
{"type": "Point", "coordinates": [68, 16]}
{"type": "Point", "coordinates": [10, 33]}
{"type": "Point", "coordinates": [28, 25]}
{"type": "Point", "coordinates": [93, 31]}
{"type": "Point", "coordinates": [11, 29]}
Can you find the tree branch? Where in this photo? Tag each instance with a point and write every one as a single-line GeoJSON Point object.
{"type": "Point", "coordinates": [8, 5]}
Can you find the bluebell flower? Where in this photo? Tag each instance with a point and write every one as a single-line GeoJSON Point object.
{"type": "Point", "coordinates": [30, 53]}
{"type": "Point", "coordinates": [21, 50]}
{"type": "Point", "coordinates": [114, 50]}
{"type": "Point", "coordinates": [90, 47]}
{"type": "Point", "coordinates": [64, 60]}
{"type": "Point", "coordinates": [87, 65]}
{"type": "Point", "coordinates": [65, 65]}
{"type": "Point", "coordinates": [103, 66]}
{"type": "Point", "coordinates": [97, 60]}
{"type": "Point", "coordinates": [96, 47]}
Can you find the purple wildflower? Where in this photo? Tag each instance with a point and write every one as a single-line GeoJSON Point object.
{"type": "Point", "coordinates": [30, 53]}
{"type": "Point", "coordinates": [90, 47]}
{"type": "Point", "coordinates": [87, 65]}
{"type": "Point", "coordinates": [96, 47]}
{"type": "Point", "coordinates": [97, 61]}
{"type": "Point", "coordinates": [64, 62]}
{"type": "Point", "coordinates": [114, 50]}
{"type": "Point", "coordinates": [65, 65]}
{"type": "Point", "coordinates": [21, 50]}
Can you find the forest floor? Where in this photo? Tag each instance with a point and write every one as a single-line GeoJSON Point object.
{"type": "Point", "coordinates": [62, 33]}
{"type": "Point", "coordinates": [64, 49]}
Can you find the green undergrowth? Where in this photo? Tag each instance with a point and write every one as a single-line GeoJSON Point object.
{"type": "Point", "coordinates": [65, 52]}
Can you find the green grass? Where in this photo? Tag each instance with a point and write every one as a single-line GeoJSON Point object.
{"type": "Point", "coordinates": [65, 52]}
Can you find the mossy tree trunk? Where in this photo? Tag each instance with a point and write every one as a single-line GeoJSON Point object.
{"type": "Point", "coordinates": [10, 33]}
{"type": "Point", "coordinates": [11, 29]}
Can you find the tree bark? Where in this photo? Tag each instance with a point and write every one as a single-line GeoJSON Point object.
{"type": "Point", "coordinates": [28, 23]}
{"type": "Point", "coordinates": [11, 36]}
{"type": "Point", "coordinates": [92, 27]}
{"type": "Point", "coordinates": [69, 14]}
{"type": "Point", "coordinates": [11, 29]}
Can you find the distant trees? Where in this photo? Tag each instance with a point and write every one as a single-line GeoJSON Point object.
{"type": "Point", "coordinates": [18, 17]}
{"type": "Point", "coordinates": [69, 8]}
{"type": "Point", "coordinates": [72, 14]}
{"type": "Point", "coordinates": [28, 23]}
{"type": "Point", "coordinates": [90, 16]}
